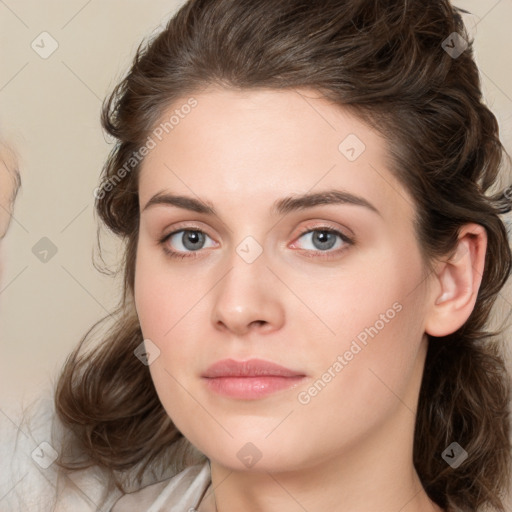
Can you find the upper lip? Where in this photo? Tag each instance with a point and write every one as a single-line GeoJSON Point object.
{"type": "Point", "coordinates": [249, 368]}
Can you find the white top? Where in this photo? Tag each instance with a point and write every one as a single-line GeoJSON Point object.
{"type": "Point", "coordinates": [181, 493]}
{"type": "Point", "coordinates": [31, 481]}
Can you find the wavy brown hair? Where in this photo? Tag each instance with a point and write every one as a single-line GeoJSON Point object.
{"type": "Point", "coordinates": [384, 61]}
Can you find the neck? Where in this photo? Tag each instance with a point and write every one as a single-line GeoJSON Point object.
{"type": "Point", "coordinates": [376, 474]}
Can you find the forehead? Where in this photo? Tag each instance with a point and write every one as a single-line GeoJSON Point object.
{"type": "Point", "coordinates": [260, 145]}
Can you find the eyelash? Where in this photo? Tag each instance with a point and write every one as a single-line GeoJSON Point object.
{"type": "Point", "coordinates": [191, 254]}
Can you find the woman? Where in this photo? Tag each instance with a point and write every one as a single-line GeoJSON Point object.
{"type": "Point", "coordinates": [10, 183]}
{"type": "Point", "coordinates": [312, 254]}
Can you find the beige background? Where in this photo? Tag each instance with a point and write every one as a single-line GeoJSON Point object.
{"type": "Point", "coordinates": [50, 109]}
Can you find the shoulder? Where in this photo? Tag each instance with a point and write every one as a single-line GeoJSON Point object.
{"type": "Point", "coordinates": [27, 478]}
{"type": "Point", "coordinates": [30, 440]}
{"type": "Point", "coordinates": [183, 490]}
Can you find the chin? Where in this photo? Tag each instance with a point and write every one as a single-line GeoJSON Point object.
{"type": "Point", "coordinates": [254, 454]}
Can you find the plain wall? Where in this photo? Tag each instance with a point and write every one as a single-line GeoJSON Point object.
{"type": "Point", "coordinates": [49, 107]}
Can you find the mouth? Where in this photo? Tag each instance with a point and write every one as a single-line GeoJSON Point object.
{"type": "Point", "coordinates": [249, 380]}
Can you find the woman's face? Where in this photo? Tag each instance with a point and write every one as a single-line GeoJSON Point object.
{"type": "Point", "coordinates": [261, 278]}
{"type": "Point", "coordinates": [8, 168]}
{"type": "Point", "coordinates": [8, 187]}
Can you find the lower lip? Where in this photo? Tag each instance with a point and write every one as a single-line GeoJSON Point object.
{"type": "Point", "coordinates": [250, 388]}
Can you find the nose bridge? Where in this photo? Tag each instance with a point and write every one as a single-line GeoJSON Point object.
{"type": "Point", "coordinates": [243, 296]}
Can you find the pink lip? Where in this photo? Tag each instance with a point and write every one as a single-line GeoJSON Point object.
{"type": "Point", "coordinates": [250, 379]}
{"type": "Point", "coordinates": [249, 368]}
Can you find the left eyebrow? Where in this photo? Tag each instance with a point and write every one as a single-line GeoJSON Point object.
{"type": "Point", "coordinates": [280, 207]}
{"type": "Point", "coordinates": [305, 201]}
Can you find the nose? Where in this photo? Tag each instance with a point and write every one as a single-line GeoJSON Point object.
{"type": "Point", "coordinates": [248, 298]}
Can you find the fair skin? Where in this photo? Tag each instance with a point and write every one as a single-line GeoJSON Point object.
{"type": "Point", "coordinates": [8, 168]}
{"type": "Point", "coordinates": [298, 304]}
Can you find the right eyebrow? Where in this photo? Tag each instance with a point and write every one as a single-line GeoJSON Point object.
{"type": "Point", "coordinates": [187, 203]}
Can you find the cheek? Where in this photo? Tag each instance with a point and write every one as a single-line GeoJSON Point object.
{"type": "Point", "coordinates": [168, 307]}
{"type": "Point", "coordinates": [375, 318]}
{"type": "Point", "coordinates": [360, 384]}
{"type": "Point", "coordinates": [151, 302]}
{"type": "Point", "coordinates": [345, 304]}
{"type": "Point", "coordinates": [162, 314]}
{"type": "Point", "coordinates": [163, 295]}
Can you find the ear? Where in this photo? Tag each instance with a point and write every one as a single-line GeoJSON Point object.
{"type": "Point", "coordinates": [456, 283]}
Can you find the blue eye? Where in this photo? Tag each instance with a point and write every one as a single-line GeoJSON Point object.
{"type": "Point", "coordinates": [191, 241]}
{"type": "Point", "coordinates": [323, 239]}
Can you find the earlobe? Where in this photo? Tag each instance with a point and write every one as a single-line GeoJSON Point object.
{"type": "Point", "coordinates": [457, 282]}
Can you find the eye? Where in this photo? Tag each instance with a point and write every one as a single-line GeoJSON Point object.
{"type": "Point", "coordinates": [325, 238]}
{"type": "Point", "coordinates": [185, 241]}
